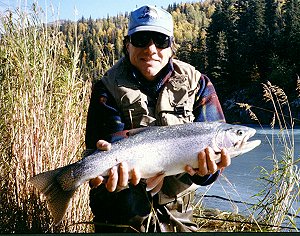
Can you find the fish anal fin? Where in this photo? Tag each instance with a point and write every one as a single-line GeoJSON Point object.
{"type": "Point", "coordinates": [155, 181]}
{"type": "Point", "coordinates": [57, 198]}
{"type": "Point", "coordinates": [157, 188]}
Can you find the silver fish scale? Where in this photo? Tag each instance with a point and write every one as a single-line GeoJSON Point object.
{"type": "Point", "coordinates": [152, 150]}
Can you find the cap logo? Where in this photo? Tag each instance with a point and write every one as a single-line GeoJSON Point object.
{"type": "Point", "coordinates": [150, 18]}
{"type": "Point", "coordinates": [149, 13]}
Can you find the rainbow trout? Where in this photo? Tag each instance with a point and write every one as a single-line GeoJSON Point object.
{"type": "Point", "coordinates": [155, 149]}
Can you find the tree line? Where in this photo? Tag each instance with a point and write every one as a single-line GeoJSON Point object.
{"type": "Point", "coordinates": [237, 43]}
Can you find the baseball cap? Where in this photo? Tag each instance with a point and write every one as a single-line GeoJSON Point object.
{"type": "Point", "coordinates": [150, 18]}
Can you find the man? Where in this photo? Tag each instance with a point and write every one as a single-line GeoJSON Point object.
{"type": "Point", "coordinates": [149, 87]}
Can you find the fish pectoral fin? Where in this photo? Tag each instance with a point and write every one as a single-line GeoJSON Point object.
{"type": "Point", "coordinates": [155, 181]}
{"type": "Point", "coordinates": [130, 132]}
{"type": "Point", "coordinates": [135, 131]}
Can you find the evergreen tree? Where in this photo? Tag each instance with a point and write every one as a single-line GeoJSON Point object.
{"type": "Point", "coordinates": [251, 29]}
{"type": "Point", "coordinates": [221, 43]}
{"type": "Point", "coordinates": [199, 53]}
{"type": "Point", "coordinates": [292, 31]}
{"type": "Point", "coordinates": [219, 71]}
{"type": "Point", "coordinates": [272, 22]}
{"type": "Point", "coordinates": [213, 30]}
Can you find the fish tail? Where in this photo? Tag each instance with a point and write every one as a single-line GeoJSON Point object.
{"type": "Point", "coordinates": [57, 198]}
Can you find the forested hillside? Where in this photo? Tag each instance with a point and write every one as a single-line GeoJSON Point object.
{"type": "Point", "coordinates": [237, 43]}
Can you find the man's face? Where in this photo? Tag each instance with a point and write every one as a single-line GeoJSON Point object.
{"type": "Point", "coordinates": [149, 52]}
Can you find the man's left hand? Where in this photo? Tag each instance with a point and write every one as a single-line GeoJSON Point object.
{"type": "Point", "coordinates": [207, 164]}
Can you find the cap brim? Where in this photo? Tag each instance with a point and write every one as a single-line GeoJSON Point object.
{"type": "Point", "coordinates": [150, 28]}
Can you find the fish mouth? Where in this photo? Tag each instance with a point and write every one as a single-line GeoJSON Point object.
{"type": "Point", "coordinates": [248, 145]}
{"type": "Point", "coordinates": [245, 145]}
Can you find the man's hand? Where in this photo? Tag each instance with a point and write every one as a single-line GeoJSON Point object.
{"type": "Point", "coordinates": [207, 164]}
{"type": "Point", "coordinates": [118, 175]}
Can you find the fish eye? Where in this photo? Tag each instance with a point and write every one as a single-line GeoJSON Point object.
{"type": "Point", "coordinates": [239, 132]}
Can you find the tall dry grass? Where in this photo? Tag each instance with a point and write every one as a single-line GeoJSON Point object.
{"type": "Point", "coordinates": [43, 107]}
{"type": "Point", "coordinates": [279, 198]}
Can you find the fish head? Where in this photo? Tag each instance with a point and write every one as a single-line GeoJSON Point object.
{"type": "Point", "coordinates": [235, 138]}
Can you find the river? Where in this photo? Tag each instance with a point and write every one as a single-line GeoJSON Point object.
{"type": "Point", "coordinates": [240, 181]}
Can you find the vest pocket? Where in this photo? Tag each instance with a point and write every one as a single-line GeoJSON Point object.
{"type": "Point", "coordinates": [174, 105]}
{"type": "Point", "coordinates": [135, 111]}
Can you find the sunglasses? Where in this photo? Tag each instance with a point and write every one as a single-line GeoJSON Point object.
{"type": "Point", "coordinates": [143, 38]}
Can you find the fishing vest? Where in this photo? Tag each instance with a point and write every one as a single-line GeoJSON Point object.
{"type": "Point", "coordinates": [173, 106]}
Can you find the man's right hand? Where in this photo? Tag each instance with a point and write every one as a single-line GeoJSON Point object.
{"type": "Point", "coordinates": [118, 175]}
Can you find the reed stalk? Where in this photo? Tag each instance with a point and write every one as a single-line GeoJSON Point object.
{"type": "Point", "coordinates": [43, 107]}
{"type": "Point", "coordinates": [280, 183]}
